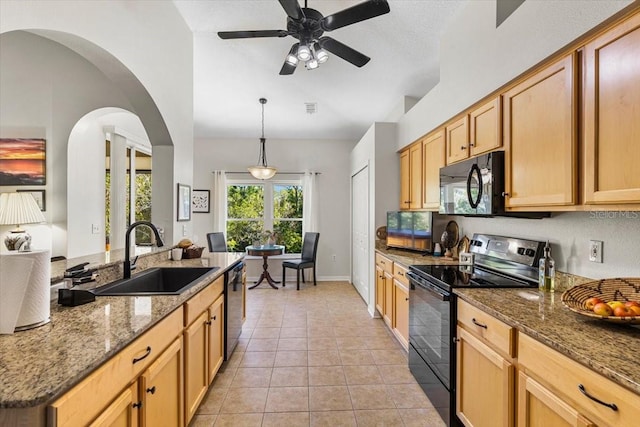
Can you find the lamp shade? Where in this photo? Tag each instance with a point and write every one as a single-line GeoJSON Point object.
{"type": "Point", "coordinates": [19, 208]}
{"type": "Point", "coordinates": [262, 172]}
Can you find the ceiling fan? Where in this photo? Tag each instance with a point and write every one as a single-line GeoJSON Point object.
{"type": "Point", "coordinates": [308, 26]}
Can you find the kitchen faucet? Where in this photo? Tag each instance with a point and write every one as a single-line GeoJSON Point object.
{"type": "Point", "coordinates": [127, 238]}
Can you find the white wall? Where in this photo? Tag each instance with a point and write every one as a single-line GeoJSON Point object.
{"type": "Point", "coordinates": [156, 69]}
{"type": "Point", "coordinates": [330, 158]}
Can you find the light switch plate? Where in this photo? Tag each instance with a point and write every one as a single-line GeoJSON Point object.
{"type": "Point", "coordinates": [595, 251]}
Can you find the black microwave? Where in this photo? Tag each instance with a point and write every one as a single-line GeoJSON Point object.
{"type": "Point", "coordinates": [475, 187]}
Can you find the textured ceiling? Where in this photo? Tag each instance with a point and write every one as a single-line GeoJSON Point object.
{"type": "Point", "coordinates": [231, 75]}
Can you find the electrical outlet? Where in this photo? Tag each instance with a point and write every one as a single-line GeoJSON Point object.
{"type": "Point", "coordinates": [333, 257]}
{"type": "Point", "coordinates": [95, 228]}
{"type": "Point", "coordinates": [595, 251]}
{"type": "Point", "coordinates": [184, 230]}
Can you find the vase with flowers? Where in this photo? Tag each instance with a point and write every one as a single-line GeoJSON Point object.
{"type": "Point", "coordinates": [269, 237]}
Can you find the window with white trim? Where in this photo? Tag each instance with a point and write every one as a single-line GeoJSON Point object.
{"type": "Point", "coordinates": [255, 208]}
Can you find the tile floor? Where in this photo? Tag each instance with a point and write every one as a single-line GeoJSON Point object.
{"type": "Point", "coordinates": [314, 357]}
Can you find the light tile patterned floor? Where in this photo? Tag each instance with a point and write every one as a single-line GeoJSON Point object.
{"type": "Point", "coordinates": [314, 357]}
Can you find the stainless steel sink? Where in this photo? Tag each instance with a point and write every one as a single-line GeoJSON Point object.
{"type": "Point", "coordinates": [156, 281]}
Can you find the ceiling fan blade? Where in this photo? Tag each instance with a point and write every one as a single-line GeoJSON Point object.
{"type": "Point", "coordinates": [287, 69]}
{"type": "Point", "coordinates": [225, 35]}
{"type": "Point", "coordinates": [343, 51]}
{"type": "Point", "coordinates": [293, 9]}
{"type": "Point", "coordinates": [360, 12]}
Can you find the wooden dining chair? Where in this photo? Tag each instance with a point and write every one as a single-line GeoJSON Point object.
{"type": "Point", "coordinates": [217, 242]}
{"type": "Point", "coordinates": [307, 259]}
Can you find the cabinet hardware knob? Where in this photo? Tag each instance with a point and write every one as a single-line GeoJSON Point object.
{"type": "Point", "coordinates": [213, 317]}
{"type": "Point", "coordinates": [505, 194]}
{"type": "Point", "coordinates": [463, 147]}
{"type": "Point", "coordinates": [475, 322]}
{"type": "Point", "coordinates": [137, 405]}
{"type": "Point", "coordinates": [595, 399]}
{"type": "Point", "coordinates": [208, 322]}
{"type": "Point", "coordinates": [137, 359]}
{"type": "Point", "coordinates": [406, 299]}
{"type": "Point", "coordinates": [455, 340]}
{"type": "Point", "coordinates": [151, 390]}
{"type": "Point", "coordinates": [473, 144]}
{"type": "Point", "coordinates": [407, 201]}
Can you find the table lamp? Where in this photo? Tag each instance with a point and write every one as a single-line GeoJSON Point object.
{"type": "Point", "coordinates": [17, 209]}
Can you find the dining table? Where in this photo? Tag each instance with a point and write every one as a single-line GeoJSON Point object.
{"type": "Point", "coordinates": [265, 251]}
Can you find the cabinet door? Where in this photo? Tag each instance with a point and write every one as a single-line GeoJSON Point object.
{"type": "Point", "coordinates": [380, 290]}
{"type": "Point", "coordinates": [415, 167]}
{"type": "Point", "coordinates": [216, 336]}
{"type": "Point", "coordinates": [244, 293]}
{"type": "Point", "coordinates": [485, 384]}
{"type": "Point", "coordinates": [388, 299]}
{"type": "Point", "coordinates": [540, 138]}
{"type": "Point", "coordinates": [538, 406]}
{"type": "Point", "coordinates": [121, 412]}
{"type": "Point", "coordinates": [612, 115]}
{"type": "Point", "coordinates": [457, 142]}
{"type": "Point", "coordinates": [196, 381]}
{"type": "Point", "coordinates": [432, 161]}
{"type": "Point", "coordinates": [161, 389]}
{"type": "Point", "coordinates": [405, 180]}
{"type": "Point", "coordinates": [485, 128]}
{"type": "Point", "coordinates": [401, 313]}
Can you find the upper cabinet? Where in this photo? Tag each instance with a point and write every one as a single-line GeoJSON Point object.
{"type": "Point", "coordinates": [474, 133]}
{"type": "Point", "coordinates": [612, 116]}
{"type": "Point", "coordinates": [411, 177]}
{"type": "Point", "coordinates": [432, 161]}
{"type": "Point", "coordinates": [540, 138]}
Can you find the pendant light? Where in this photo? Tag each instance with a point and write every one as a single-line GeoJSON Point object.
{"type": "Point", "coordinates": [261, 170]}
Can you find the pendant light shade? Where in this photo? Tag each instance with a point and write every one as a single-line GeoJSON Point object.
{"type": "Point", "coordinates": [262, 170]}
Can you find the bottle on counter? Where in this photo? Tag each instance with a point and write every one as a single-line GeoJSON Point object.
{"type": "Point", "coordinates": [547, 271]}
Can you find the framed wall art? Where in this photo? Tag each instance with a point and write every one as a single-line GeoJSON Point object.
{"type": "Point", "coordinates": [184, 202]}
{"type": "Point", "coordinates": [200, 201]}
{"type": "Point", "coordinates": [23, 161]}
{"type": "Point", "coordinates": [39, 195]}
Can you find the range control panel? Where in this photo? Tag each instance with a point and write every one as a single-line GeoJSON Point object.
{"type": "Point", "coordinates": [521, 251]}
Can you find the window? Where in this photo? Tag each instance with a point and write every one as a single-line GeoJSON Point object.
{"type": "Point", "coordinates": [253, 208]}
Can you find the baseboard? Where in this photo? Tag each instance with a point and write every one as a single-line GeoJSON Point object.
{"type": "Point", "coordinates": [292, 278]}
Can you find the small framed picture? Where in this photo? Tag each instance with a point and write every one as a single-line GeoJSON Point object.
{"type": "Point", "coordinates": [184, 202]}
{"type": "Point", "coordinates": [39, 195]}
{"type": "Point", "coordinates": [200, 201]}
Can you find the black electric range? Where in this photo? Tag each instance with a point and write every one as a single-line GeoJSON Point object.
{"type": "Point", "coordinates": [499, 262]}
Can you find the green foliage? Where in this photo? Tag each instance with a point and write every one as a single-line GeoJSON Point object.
{"type": "Point", "coordinates": [245, 201]}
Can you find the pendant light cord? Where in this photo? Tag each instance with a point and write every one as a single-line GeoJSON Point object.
{"type": "Point", "coordinates": [263, 151]}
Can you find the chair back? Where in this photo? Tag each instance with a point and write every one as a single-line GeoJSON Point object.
{"type": "Point", "coordinates": [310, 246]}
{"type": "Point", "coordinates": [217, 242]}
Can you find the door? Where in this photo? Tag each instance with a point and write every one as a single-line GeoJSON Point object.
{"type": "Point", "coordinates": [485, 384]}
{"type": "Point", "coordinates": [361, 268]}
{"type": "Point", "coordinates": [161, 389]}
{"type": "Point", "coordinates": [612, 116]}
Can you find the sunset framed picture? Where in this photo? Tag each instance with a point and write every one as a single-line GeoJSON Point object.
{"type": "Point", "coordinates": [22, 161]}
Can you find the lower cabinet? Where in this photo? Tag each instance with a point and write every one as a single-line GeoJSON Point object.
{"type": "Point", "coordinates": [387, 315]}
{"type": "Point", "coordinates": [215, 347]}
{"type": "Point", "coordinates": [401, 304]}
{"type": "Point", "coordinates": [379, 290]}
{"type": "Point", "coordinates": [539, 406]}
{"type": "Point", "coordinates": [122, 412]}
{"type": "Point", "coordinates": [485, 384]}
{"type": "Point", "coordinates": [160, 388]}
{"type": "Point", "coordinates": [196, 358]}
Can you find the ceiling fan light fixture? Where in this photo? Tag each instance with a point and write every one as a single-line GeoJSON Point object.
{"type": "Point", "coordinates": [311, 64]}
{"type": "Point", "coordinates": [321, 55]}
{"type": "Point", "coordinates": [262, 170]}
{"type": "Point", "coordinates": [292, 57]}
{"type": "Point", "coordinates": [304, 53]}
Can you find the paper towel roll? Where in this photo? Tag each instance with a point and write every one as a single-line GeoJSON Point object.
{"type": "Point", "coordinates": [25, 280]}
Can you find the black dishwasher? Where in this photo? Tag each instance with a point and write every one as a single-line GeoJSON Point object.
{"type": "Point", "coordinates": [232, 307]}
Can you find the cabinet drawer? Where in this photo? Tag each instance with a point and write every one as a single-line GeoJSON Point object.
{"type": "Point", "coordinates": [563, 375]}
{"type": "Point", "coordinates": [85, 401]}
{"type": "Point", "coordinates": [495, 332]}
{"type": "Point", "coordinates": [384, 263]}
{"type": "Point", "coordinates": [400, 274]}
{"type": "Point", "coordinates": [202, 300]}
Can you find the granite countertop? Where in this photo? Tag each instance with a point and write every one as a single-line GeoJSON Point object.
{"type": "Point", "coordinates": [609, 349]}
{"type": "Point", "coordinates": [407, 258]}
{"type": "Point", "coordinates": [38, 365]}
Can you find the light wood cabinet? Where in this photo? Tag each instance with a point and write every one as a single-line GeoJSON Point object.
{"type": "Point", "coordinates": [539, 406]}
{"type": "Point", "coordinates": [401, 305]}
{"type": "Point", "coordinates": [384, 288]}
{"type": "Point", "coordinates": [215, 329]}
{"type": "Point", "coordinates": [457, 140]}
{"type": "Point", "coordinates": [540, 138]}
{"type": "Point", "coordinates": [573, 391]}
{"type": "Point", "coordinates": [411, 177]}
{"type": "Point", "coordinates": [612, 115]}
{"type": "Point", "coordinates": [432, 160]}
{"type": "Point", "coordinates": [485, 369]}
{"type": "Point", "coordinates": [244, 293]}
{"type": "Point", "coordinates": [485, 128]}
{"type": "Point", "coordinates": [161, 389]}
{"type": "Point", "coordinates": [196, 377]}
{"type": "Point", "coordinates": [121, 412]}
{"type": "Point", "coordinates": [379, 290]}
{"type": "Point", "coordinates": [387, 315]}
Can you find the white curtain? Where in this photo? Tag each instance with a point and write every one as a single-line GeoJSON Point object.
{"type": "Point", "coordinates": [310, 202]}
{"type": "Point", "coordinates": [219, 201]}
